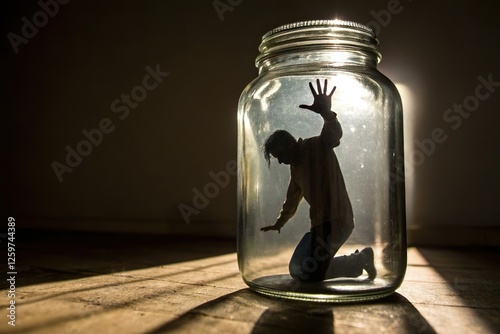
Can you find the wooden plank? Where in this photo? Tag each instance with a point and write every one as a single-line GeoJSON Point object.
{"type": "Point", "coordinates": [445, 319]}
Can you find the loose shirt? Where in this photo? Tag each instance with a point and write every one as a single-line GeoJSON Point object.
{"type": "Point", "coordinates": [318, 179]}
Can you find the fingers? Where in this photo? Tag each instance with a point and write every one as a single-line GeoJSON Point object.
{"type": "Point", "coordinates": [269, 228]}
{"type": "Point", "coordinates": [312, 89]}
{"type": "Point", "coordinates": [333, 90]}
{"type": "Point", "coordinates": [305, 106]}
{"type": "Point", "coordinates": [319, 90]}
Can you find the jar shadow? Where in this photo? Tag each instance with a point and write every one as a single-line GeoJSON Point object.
{"type": "Point", "coordinates": [247, 311]}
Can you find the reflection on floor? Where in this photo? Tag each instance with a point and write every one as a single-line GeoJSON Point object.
{"type": "Point", "coordinates": [88, 283]}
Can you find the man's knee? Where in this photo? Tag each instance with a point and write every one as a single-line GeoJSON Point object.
{"type": "Point", "coordinates": [309, 269]}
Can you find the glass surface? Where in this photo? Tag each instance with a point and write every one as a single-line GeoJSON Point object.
{"type": "Point", "coordinates": [368, 109]}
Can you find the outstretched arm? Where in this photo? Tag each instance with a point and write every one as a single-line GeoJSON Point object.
{"type": "Point", "coordinates": [293, 198]}
{"type": "Point", "coordinates": [322, 104]}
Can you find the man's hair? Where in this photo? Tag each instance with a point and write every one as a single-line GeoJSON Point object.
{"type": "Point", "coordinates": [279, 138]}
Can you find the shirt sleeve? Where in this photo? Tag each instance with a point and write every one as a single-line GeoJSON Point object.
{"type": "Point", "coordinates": [331, 132]}
{"type": "Point", "coordinates": [293, 197]}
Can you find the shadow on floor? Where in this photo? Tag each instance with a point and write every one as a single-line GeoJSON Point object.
{"type": "Point", "coordinates": [51, 256]}
{"type": "Point", "coordinates": [245, 310]}
{"type": "Point", "coordinates": [473, 276]}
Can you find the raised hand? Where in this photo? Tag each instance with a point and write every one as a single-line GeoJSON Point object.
{"type": "Point", "coordinates": [322, 101]}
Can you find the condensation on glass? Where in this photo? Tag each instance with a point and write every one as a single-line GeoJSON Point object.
{"type": "Point", "coordinates": [295, 235]}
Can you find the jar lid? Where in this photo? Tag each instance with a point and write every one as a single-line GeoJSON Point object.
{"type": "Point", "coordinates": [318, 34]}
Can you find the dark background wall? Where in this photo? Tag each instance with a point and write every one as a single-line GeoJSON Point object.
{"type": "Point", "coordinates": [67, 73]}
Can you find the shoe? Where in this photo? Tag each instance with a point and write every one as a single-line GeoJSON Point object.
{"type": "Point", "coordinates": [369, 264]}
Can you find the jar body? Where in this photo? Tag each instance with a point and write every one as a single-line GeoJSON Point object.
{"type": "Point", "coordinates": [369, 155]}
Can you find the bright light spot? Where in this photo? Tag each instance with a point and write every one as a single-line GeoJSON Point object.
{"type": "Point", "coordinates": [408, 120]}
{"type": "Point", "coordinates": [351, 99]}
{"type": "Point", "coordinates": [352, 128]}
{"type": "Point", "coordinates": [264, 128]}
{"type": "Point", "coordinates": [265, 92]}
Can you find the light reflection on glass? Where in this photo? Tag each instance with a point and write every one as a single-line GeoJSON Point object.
{"type": "Point", "coordinates": [408, 120]}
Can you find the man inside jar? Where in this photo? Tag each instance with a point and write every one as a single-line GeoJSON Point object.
{"type": "Point", "coordinates": [316, 177]}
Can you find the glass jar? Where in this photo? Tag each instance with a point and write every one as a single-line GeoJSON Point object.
{"type": "Point", "coordinates": [321, 213]}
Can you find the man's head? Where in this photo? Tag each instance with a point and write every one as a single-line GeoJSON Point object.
{"type": "Point", "coordinates": [283, 146]}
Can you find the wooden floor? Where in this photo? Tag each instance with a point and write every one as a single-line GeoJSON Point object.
{"type": "Point", "coordinates": [103, 283]}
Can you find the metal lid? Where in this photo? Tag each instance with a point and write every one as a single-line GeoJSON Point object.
{"type": "Point", "coordinates": [315, 35]}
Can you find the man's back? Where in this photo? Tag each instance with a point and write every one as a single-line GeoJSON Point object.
{"type": "Point", "coordinates": [319, 176]}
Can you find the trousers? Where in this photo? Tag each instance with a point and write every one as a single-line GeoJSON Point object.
{"type": "Point", "coordinates": [314, 257]}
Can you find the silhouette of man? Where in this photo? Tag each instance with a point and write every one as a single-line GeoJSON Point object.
{"type": "Point", "coordinates": [316, 177]}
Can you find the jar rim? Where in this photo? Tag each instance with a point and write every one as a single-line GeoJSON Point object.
{"type": "Point", "coordinates": [317, 35]}
{"type": "Point", "coordinates": [319, 23]}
